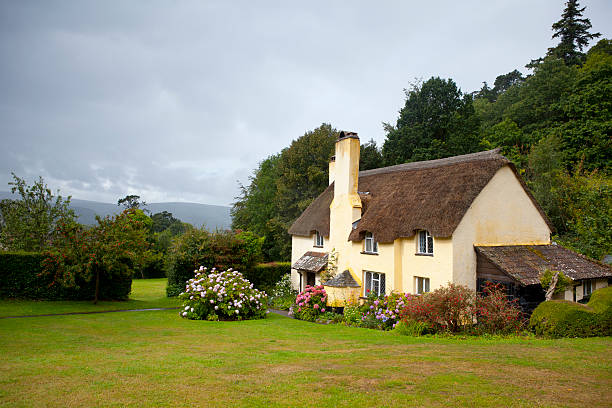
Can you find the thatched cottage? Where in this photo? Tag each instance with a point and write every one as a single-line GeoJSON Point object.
{"type": "Point", "coordinates": [414, 227]}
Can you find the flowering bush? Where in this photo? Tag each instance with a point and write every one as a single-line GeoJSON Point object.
{"type": "Point", "coordinates": [383, 312]}
{"type": "Point", "coordinates": [224, 295]}
{"type": "Point", "coordinates": [495, 313]}
{"type": "Point", "coordinates": [310, 303]}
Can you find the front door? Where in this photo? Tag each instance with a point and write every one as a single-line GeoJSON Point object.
{"type": "Point", "coordinates": [310, 278]}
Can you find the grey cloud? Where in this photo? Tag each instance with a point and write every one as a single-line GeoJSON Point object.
{"type": "Point", "coordinates": [177, 100]}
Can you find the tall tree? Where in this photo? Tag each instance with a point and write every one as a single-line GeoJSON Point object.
{"type": "Point", "coordinates": [573, 33]}
{"type": "Point", "coordinates": [437, 120]}
{"type": "Point", "coordinates": [29, 223]}
{"type": "Point", "coordinates": [282, 187]}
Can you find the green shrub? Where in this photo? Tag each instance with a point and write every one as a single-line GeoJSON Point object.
{"type": "Point", "coordinates": [154, 267]}
{"type": "Point", "coordinates": [264, 276]}
{"type": "Point", "coordinates": [413, 328]}
{"type": "Point", "coordinates": [224, 295]}
{"type": "Point", "coordinates": [282, 295]}
{"type": "Point", "coordinates": [560, 318]}
{"type": "Point", "coordinates": [601, 300]}
{"type": "Point", "coordinates": [198, 247]}
{"type": "Point", "coordinates": [352, 315]}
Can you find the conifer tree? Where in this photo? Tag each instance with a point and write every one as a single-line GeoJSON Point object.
{"type": "Point", "coordinates": [573, 32]}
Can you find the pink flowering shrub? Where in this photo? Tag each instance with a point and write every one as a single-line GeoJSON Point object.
{"type": "Point", "coordinates": [221, 295]}
{"type": "Point", "coordinates": [310, 303]}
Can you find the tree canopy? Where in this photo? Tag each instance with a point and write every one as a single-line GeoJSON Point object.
{"type": "Point", "coordinates": [29, 223]}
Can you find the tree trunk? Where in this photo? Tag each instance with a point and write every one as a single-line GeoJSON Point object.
{"type": "Point", "coordinates": [551, 288]}
{"type": "Point", "coordinates": [97, 286]}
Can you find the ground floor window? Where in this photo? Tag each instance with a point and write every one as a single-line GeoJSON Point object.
{"type": "Point", "coordinates": [587, 287]}
{"type": "Point", "coordinates": [421, 285]}
{"type": "Point", "coordinates": [374, 283]}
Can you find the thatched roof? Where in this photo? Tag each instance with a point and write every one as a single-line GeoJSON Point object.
{"type": "Point", "coordinates": [430, 195]}
{"type": "Point", "coordinates": [525, 262]}
{"type": "Point", "coordinates": [311, 262]}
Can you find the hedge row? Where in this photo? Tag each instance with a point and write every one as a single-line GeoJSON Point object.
{"type": "Point", "coordinates": [264, 276]}
{"type": "Point", "coordinates": [21, 277]}
{"type": "Point", "coordinates": [557, 318]}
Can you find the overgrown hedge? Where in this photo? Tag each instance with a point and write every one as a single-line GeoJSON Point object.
{"type": "Point", "coordinates": [265, 276]}
{"type": "Point", "coordinates": [21, 277]}
{"type": "Point", "coordinates": [560, 318]}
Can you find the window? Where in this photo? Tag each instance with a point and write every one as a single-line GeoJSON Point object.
{"type": "Point", "coordinates": [374, 283]}
{"type": "Point", "coordinates": [371, 246]}
{"type": "Point", "coordinates": [421, 285]}
{"type": "Point", "coordinates": [425, 243]}
{"type": "Point", "coordinates": [587, 287]}
{"type": "Point", "coordinates": [318, 239]}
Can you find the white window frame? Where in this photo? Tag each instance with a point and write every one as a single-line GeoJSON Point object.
{"type": "Point", "coordinates": [587, 287]}
{"type": "Point", "coordinates": [370, 246]}
{"type": "Point", "coordinates": [421, 285]}
{"type": "Point", "coordinates": [425, 245]}
{"type": "Point", "coordinates": [372, 280]}
{"type": "Point", "coordinates": [319, 240]}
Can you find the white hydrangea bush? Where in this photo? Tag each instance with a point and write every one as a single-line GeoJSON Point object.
{"type": "Point", "coordinates": [222, 295]}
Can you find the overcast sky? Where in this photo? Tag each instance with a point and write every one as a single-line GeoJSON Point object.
{"type": "Point", "coordinates": [178, 100]}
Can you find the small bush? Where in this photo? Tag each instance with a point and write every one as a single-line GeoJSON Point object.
{"type": "Point", "coordinates": [310, 304]}
{"type": "Point", "coordinates": [282, 295]}
{"type": "Point", "coordinates": [413, 328]}
{"type": "Point", "coordinates": [352, 315]}
{"type": "Point", "coordinates": [224, 295]}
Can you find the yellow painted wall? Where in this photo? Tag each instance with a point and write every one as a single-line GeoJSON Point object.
{"type": "Point", "coordinates": [502, 214]}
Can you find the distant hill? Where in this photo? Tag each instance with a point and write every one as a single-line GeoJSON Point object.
{"type": "Point", "coordinates": [210, 216]}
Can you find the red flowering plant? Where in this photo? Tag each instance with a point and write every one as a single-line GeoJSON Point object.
{"type": "Point", "coordinates": [98, 262]}
{"type": "Point", "coordinates": [495, 313]}
{"type": "Point", "coordinates": [449, 308]}
{"type": "Point", "coordinates": [309, 304]}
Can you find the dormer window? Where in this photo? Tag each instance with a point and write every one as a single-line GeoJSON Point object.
{"type": "Point", "coordinates": [370, 245]}
{"type": "Point", "coordinates": [425, 244]}
{"type": "Point", "coordinates": [319, 241]}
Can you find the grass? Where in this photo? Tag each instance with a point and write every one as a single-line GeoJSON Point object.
{"type": "Point", "coordinates": [146, 294]}
{"type": "Point", "coordinates": [158, 359]}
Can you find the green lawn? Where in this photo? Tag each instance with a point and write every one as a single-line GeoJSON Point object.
{"type": "Point", "coordinates": [146, 294]}
{"type": "Point", "coordinates": [159, 359]}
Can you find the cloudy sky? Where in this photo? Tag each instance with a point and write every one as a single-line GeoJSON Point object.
{"type": "Point", "coordinates": [179, 100]}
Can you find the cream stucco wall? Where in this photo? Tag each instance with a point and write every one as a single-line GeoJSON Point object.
{"type": "Point", "coordinates": [502, 214]}
{"type": "Point", "coordinates": [299, 246]}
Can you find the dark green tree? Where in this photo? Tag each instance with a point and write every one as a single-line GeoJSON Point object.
{"type": "Point", "coordinates": [282, 187]}
{"type": "Point", "coordinates": [370, 156]}
{"type": "Point", "coordinates": [573, 32]}
{"type": "Point", "coordinates": [436, 121]}
{"type": "Point", "coordinates": [29, 223]}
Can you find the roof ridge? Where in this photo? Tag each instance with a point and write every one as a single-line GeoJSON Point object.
{"type": "Point", "coordinates": [430, 164]}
